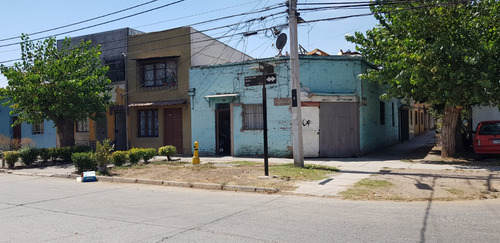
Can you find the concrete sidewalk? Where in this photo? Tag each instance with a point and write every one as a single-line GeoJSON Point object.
{"type": "Point", "coordinates": [352, 170]}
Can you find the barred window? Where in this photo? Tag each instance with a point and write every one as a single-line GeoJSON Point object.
{"type": "Point", "coordinates": [37, 128]}
{"type": "Point", "coordinates": [148, 123]}
{"type": "Point", "coordinates": [253, 117]}
{"type": "Point", "coordinates": [82, 126]}
{"type": "Point", "coordinates": [159, 73]}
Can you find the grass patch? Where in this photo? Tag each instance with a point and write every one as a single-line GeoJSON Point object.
{"type": "Point", "coordinates": [455, 191]}
{"type": "Point", "coordinates": [365, 189]}
{"type": "Point", "coordinates": [309, 172]}
{"type": "Point", "coordinates": [245, 163]}
{"type": "Point", "coordinates": [407, 160]}
{"type": "Point", "coordinates": [369, 183]}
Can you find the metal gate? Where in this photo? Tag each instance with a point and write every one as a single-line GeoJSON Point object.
{"type": "Point", "coordinates": [339, 129]}
{"type": "Point", "coordinates": [120, 131]}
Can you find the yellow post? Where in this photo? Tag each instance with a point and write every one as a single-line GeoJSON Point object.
{"type": "Point", "coordinates": [196, 158]}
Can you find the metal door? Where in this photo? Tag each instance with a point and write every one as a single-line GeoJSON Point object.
{"type": "Point", "coordinates": [173, 128]}
{"type": "Point", "coordinates": [120, 131]}
{"type": "Point", "coordinates": [310, 130]}
{"type": "Point", "coordinates": [339, 129]}
{"type": "Point", "coordinates": [102, 129]}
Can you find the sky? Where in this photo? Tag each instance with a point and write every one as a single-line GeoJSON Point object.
{"type": "Point", "coordinates": [32, 16]}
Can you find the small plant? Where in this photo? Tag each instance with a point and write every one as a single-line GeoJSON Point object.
{"type": "Point", "coordinates": [45, 154]}
{"type": "Point", "coordinates": [28, 155]}
{"type": "Point", "coordinates": [148, 154]}
{"type": "Point", "coordinates": [11, 158]}
{"type": "Point", "coordinates": [119, 157]}
{"type": "Point", "coordinates": [103, 151]}
{"type": "Point", "coordinates": [134, 155]}
{"type": "Point", "coordinates": [4, 142]}
{"type": "Point", "coordinates": [168, 151]}
{"type": "Point", "coordinates": [84, 161]}
{"type": "Point", "coordinates": [54, 154]}
{"type": "Point", "coordinates": [27, 142]}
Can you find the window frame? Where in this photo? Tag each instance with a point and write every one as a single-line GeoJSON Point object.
{"type": "Point", "coordinates": [253, 113]}
{"type": "Point", "coordinates": [382, 112]}
{"type": "Point", "coordinates": [168, 70]}
{"type": "Point", "coordinates": [151, 125]}
{"type": "Point", "coordinates": [85, 126]}
{"type": "Point", "coordinates": [38, 128]}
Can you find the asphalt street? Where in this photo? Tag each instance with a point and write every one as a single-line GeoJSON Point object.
{"type": "Point", "coordinates": [43, 209]}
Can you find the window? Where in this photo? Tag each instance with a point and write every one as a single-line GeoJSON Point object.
{"type": "Point", "coordinates": [116, 70]}
{"type": "Point", "coordinates": [393, 122]}
{"type": "Point", "coordinates": [253, 117]}
{"type": "Point", "coordinates": [382, 113]}
{"type": "Point", "coordinates": [411, 117]}
{"type": "Point", "coordinates": [37, 128]}
{"type": "Point", "coordinates": [148, 123]}
{"type": "Point", "coordinates": [82, 126]}
{"type": "Point", "coordinates": [159, 73]}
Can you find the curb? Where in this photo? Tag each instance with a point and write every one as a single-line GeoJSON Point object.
{"type": "Point", "coordinates": [196, 185]}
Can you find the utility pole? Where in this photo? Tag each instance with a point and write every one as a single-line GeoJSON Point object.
{"type": "Point", "coordinates": [298, 151]}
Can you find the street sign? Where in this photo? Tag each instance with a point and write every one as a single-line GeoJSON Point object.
{"type": "Point", "coordinates": [257, 80]}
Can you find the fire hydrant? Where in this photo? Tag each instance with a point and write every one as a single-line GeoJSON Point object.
{"type": "Point", "coordinates": [196, 158]}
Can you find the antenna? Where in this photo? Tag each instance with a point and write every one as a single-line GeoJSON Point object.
{"type": "Point", "coordinates": [280, 42]}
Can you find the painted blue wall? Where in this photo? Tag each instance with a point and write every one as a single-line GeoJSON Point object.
{"type": "Point", "coordinates": [332, 75]}
{"type": "Point", "coordinates": [45, 140]}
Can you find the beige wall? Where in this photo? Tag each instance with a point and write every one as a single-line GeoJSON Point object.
{"type": "Point", "coordinates": [169, 43]}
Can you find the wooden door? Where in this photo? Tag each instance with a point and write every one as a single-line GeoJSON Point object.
{"type": "Point", "coordinates": [173, 128]}
{"type": "Point", "coordinates": [339, 129]}
{"type": "Point", "coordinates": [16, 130]}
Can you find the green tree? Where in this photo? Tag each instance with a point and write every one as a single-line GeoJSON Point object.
{"type": "Point", "coordinates": [65, 85]}
{"type": "Point", "coordinates": [444, 53]}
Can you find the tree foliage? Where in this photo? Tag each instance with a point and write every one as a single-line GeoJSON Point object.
{"type": "Point", "coordinates": [445, 53]}
{"type": "Point", "coordinates": [64, 84]}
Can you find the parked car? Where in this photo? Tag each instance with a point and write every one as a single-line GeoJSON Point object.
{"type": "Point", "coordinates": [487, 138]}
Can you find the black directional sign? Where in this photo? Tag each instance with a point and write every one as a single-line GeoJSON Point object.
{"type": "Point", "coordinates": [257, 80]}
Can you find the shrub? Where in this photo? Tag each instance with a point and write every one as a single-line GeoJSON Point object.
{"type": "Point", "coordinates": [148, 154]}
{"type": "Point", "coordinates": [84, 161]}
{"type": "Point", "coordinates": [134, 155]}
{"type": "Point", "coordinates": [54, 153]}
{"type": "Point", "coordinates": [103, 151]}
{"type": "Point", "coordinates": [119, 157]}
{"type": "Point", "coordinates": [81, 149]}
{"type": "Point", "coordinates": [168, 151]}
{"type": "Point", "coordinates": [11, 158]}
{"type": "Point", "coordinates": [4, 142]}
{"type": "Point", "coordinates": [28, 155]}
{"type": "Point", "coordinates": [45, 154]}
{"type": "Point", "coordinates": [65, 153]}
{"type": "Point", "coordinates": [26, 142]}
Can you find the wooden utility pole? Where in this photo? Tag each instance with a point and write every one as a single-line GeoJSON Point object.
{"type": "Point", "coordinates": [298, 151]}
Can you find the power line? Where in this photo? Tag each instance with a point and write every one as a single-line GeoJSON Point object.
{"type": "Point", "coordinates": [99, 24]}
{"type": "Point", "coordinates": [81, 22]}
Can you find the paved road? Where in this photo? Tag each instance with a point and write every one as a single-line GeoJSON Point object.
{"type": "Point", "coordinates": [41, 209]}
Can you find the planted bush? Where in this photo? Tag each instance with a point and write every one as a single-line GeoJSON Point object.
{"type": "Point", "coordinates": [28, 155]}
{"type": "Point", "coordinates": [168, 151]}
{"type": "Point", "coordinates": [134, 155]}
{"type": "Point", "coordinates": [148, 154]}
{"type": "Point", "coordinates": [11, 158]}
{"type": "Point", "coordinates": [65, 153]}
{"type": "Point", "coordinates": [103, 151]}
{"type": "Point", "coordinates": [84, 161]}
{"type": "Point", "coordinates": [119, 157]}
{"type": "Point", "coordinates": [45, 154]}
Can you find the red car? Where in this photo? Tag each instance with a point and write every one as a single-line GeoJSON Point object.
{"type": "Point", "coordinates": [487, 138]}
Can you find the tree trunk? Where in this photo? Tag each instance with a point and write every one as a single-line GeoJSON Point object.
{"type": "Point", "coordinates": [448, 131]}
{"type": "Point", "coordinates": [65, 132]}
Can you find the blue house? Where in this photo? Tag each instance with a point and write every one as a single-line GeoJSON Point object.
{"type": "Point", "coordinates": [42, 135]}
{"type": "Point", "coordinates": [342, 116]}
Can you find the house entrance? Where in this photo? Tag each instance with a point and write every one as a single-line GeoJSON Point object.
{"type": "Point", "coordinates": [339, 129]}
{"type": "Point", "coordinates": [223, 129]}
{"type": "Point", "coordinates": [173, 128]}
{"type": "Point", "coordinates": [120, 131]}
{"type": "Point", "coordinates": [16, 130]}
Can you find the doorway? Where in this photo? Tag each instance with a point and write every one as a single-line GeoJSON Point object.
{"type": "Point", "coordinates": [16, 130]}
{"type": "Point", "coordinates": [223, 129]}
{"type": "Point", "coordinates": [120, 131]}
{"type": "Point", "coordinates": [339, 129]}
{"type": "Point", "coordinates": [173, 129]}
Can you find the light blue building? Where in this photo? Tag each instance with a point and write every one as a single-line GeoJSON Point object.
{"type": "Point", "coordinates": [42, 135]}
{"type": "Point", "coordinates": [342, 116]}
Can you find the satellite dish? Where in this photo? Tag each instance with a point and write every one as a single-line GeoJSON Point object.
{"type": "Point", "coordinates": [281, 41]}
